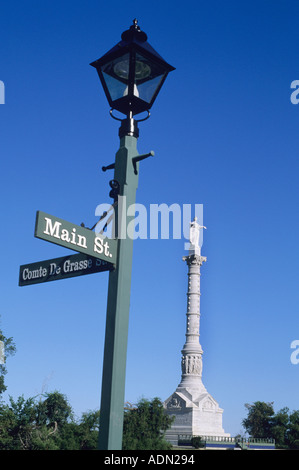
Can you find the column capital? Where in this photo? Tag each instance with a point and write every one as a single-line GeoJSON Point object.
{"type": "Point", "coordinates": [194, 260]}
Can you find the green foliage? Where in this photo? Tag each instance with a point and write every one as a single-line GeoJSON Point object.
{"type": "Point", "coordinates": [88, 430]}
{"type": "Point", "coordinates": [145, 426]}
{"type": "Point", "coordinates": [9, 349]}
{"type": "Point", "coordinates": [196, 442]}
{"type": "Point", "coordinates": [16, 424]}
{"type": "Point", "coordinates": [258, 422]}
{"type": "Point", "coordinates": [279, 427]}
{"type": "Point", "coordinates": [54, 409]}
{"type": "Point", "coordinates": [46, 424]}
{"type": "Point", "coordinates": [263, 422]}
{"type": "Point", "coordinates": [293, 431]}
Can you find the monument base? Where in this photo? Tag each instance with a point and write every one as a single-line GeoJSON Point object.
{"type": "Point", "coordinates": [196, 414]}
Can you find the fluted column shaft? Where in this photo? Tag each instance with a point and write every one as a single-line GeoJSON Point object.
{"type": "Point", "coordinates": [192, 351]}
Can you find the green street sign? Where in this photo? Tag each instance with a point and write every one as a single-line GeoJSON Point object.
{"type": "Point", "coordinates": [61, 268]}
{"type": "Point", "coordinates": [74, 237]}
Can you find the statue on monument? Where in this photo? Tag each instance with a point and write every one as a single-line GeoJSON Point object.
{"type": "Point", "coordinates": [194, 234]}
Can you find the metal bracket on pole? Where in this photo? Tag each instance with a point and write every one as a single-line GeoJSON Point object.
{"type": "Point", "coordinates": [109, 167]}
{"type": "Point", "coordinates": [134, 160]}
{"type": "Point", "coordinates": [141, 157]}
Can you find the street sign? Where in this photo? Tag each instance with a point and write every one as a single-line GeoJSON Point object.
{"type": "Point", "coordinates": [61, 268]}
{"type": "Point", "coordinates": [74, 237]}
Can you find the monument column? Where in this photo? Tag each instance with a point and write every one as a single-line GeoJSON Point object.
{"type": "Point", "coordinates": [191, 363]}
{"type": "Point", "coordinates": [196, 412]}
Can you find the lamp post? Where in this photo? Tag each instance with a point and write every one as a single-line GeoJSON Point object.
{"type": "Point", "coordinates": [132, 74]}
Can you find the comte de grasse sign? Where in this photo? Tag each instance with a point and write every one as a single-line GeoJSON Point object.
{"type": "Point", "coordinates": [61, 268]}
{"type": "Point", "coordinates": [74, 237]}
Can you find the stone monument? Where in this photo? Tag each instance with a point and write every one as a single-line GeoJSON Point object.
{"type": "Point", "coordinates": [196, 412]}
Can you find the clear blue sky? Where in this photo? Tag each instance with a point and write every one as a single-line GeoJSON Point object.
{"type": "Point", "coordinates": [225, 135]}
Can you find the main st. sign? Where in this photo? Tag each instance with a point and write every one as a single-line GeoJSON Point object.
{"type": "Point", "coordinates": [96, 253]}
{"type": "Point", "coordinates": [74, 237]}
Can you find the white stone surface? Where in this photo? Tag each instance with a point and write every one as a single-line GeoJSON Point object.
{"type": "Point", "coordinates": [196, 412]}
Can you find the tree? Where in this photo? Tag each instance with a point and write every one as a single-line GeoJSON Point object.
{"type": "Point", "coordinates": [9, 350]}
{"type": "Point", "coordinates": [30, 425]}
{"type": "Point", "coordinates": [54, 422]}
{"type": "Point", "coordinates": [16, 424]}
{"type": "Point", "coordinates": [259, 420]}
{"type": "Point", "coordinates": [88, 430]}
{"type": "Point", "coordinates": [54, 410]}
{"type": "Point", "coordinates": [279, 427]}
{"type": "Point", "coordinates": [293, 431]}
{"type": "Point", "coordinates": [282, 426]}
{"type": "Point", "coordinates": [145, 426]}
{"type": "Point", "coordinates": [46, 423]}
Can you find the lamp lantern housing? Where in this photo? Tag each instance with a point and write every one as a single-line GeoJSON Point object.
{"type": "Point", "coordinates": [132, 73]}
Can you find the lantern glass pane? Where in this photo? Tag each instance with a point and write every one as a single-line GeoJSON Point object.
{"type": "Point", "coordinates": [116, 88]}
{"type": "Point", "coordinates": [118, 68]}
{"type": "Point", "coordinates": [115, 74]}
{"type": "Point", "coordinates": [147, 90]}
{"type": "Point", "coordinates": [148, 77]}
{"type": "Point", "coordinates": [146, 69]}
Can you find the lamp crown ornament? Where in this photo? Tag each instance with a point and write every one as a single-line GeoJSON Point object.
{"type": "Point", "coordinates": [134, 33]}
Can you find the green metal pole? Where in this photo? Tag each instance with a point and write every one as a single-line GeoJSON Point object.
{"type": "Point", "coordinates": [118, 304]}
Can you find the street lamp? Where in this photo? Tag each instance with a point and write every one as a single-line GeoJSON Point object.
{"type": "Point", "coordinates": [132, 74]}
